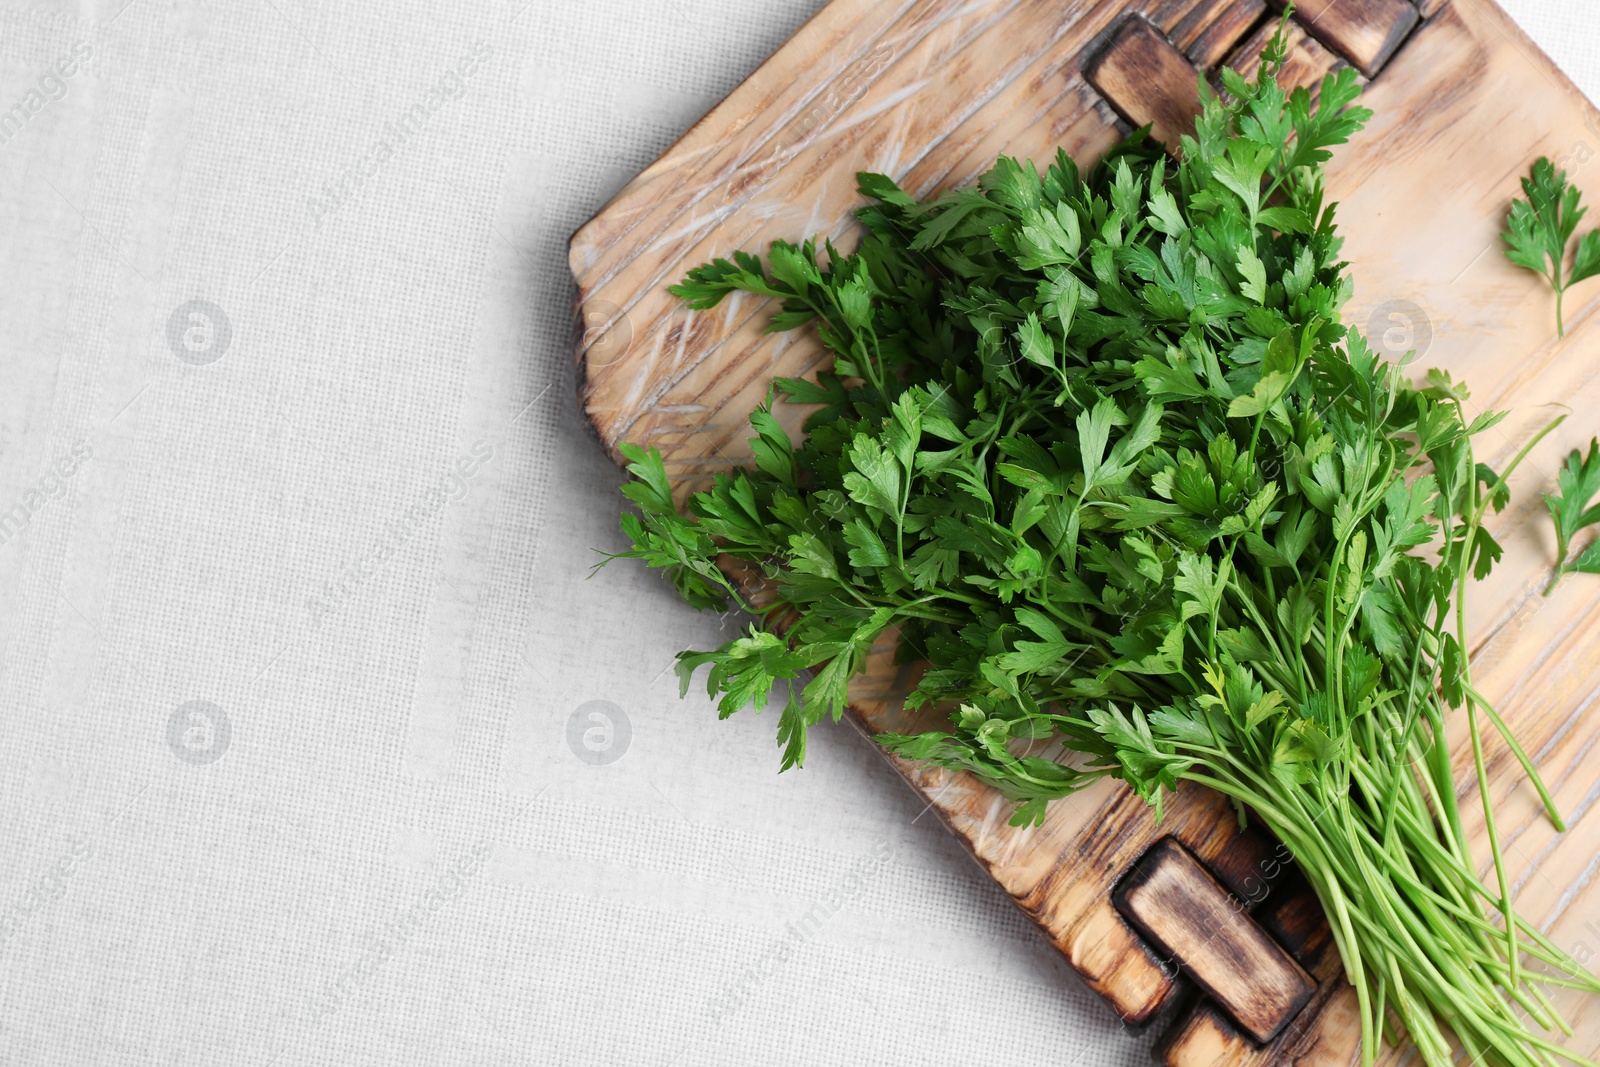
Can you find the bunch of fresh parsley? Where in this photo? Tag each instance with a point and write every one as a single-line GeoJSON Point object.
{"type": "Point", "coordinates": [1099, 451]}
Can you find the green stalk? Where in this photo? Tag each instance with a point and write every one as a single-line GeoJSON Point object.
{"type": "Point", "coordinates": [1475, 514]}
{"type": "Point", "coordinates": [1522, 758]}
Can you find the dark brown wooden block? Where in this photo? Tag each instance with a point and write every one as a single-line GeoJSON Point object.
{"type": "Point", "coordinates": [1176, 903]}
{"type": "Point", "coordinates": [1365, 32]}
{"type": "Point", "coordinates": [1204, 1036]}
{"type": "Point", "coordinates": [1306, 63]}
{"type": "Point", "coordinates": [1207, 34]}
{"type": "Point", "coordinates": [1249, 866]}
{"type": "Point", "coordinates": [1292, 918]}
{"type": "Point", "coordinates": [1147, 80]}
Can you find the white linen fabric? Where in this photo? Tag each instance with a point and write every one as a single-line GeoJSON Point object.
{"type": "Point", "coordinates": [317, 742]}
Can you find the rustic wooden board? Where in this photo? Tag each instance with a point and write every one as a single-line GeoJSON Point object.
{"type": "Point", "coordinates": [930, 92]}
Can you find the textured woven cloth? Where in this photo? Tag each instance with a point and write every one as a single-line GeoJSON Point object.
{"type": "Point", "coordinates": [316, 744]}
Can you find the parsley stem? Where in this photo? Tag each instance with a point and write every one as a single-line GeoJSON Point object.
{"type": "Point", "coordinates": [1474, 515]}
{"type": "Point", "coordinates": [1522, 758]}
{"type": "Point", "coordinates": [1516, 461]}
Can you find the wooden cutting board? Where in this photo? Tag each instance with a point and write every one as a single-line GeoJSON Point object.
{"type": "Point", "coordinates": [1150, 914]}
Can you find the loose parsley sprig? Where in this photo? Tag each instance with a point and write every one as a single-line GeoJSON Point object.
{"type": "Point", "coordinates": [1573, 509]}
{"type": "Point", "coordinates": [1540, 229]}
{"type": "Point", "coordinates": [1098, 450]}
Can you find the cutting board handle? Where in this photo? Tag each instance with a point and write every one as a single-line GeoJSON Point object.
{"type": "Point", "coordinates": [1148, 81]}
{"type": "Point", "coordinates": [1186, 914]}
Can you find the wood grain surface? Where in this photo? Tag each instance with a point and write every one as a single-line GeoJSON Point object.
{"type": "Point", "coordinates": [930, 92]}
{"type": "Point", "coordinates": [1147, 81]}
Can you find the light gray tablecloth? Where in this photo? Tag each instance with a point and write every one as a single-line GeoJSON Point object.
{"type": "Point", "coordinates": [316, 743]}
